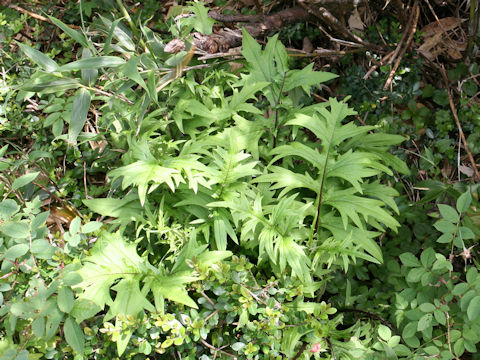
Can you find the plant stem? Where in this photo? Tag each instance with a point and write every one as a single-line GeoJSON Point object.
{"type": "Point", "coordinates": [275, 121]}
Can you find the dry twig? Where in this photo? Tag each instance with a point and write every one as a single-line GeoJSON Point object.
{"type": "Point", "coordinates": [416, 12]}
{"type": "Point", "coordinates": [457, 121]}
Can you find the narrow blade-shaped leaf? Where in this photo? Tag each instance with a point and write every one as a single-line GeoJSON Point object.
{"type": "Point", "coordinates": [74, 34]}
{"type": "Point", "coordinates": [81, 104]}
{"type": "Point", "coordinates": [96, 62]}
{"type": "Point", "coordinates": [39, 58]}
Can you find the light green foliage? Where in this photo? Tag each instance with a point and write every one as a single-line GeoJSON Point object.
{"type": "Point", "coordinates": [197, 166]}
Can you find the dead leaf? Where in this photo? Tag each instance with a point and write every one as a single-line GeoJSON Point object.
{"type": "Point", "coordinates": [466, 170]}
{"type": "Point", "coordinates": [443, 37]}
{"type": "Point", "coordinates": [355, 21]}
{"type": "Point", "coordinates": [307, 45]}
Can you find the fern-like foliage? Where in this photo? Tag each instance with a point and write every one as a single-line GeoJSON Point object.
{"type": "Point", "coordinates": [348, 198]}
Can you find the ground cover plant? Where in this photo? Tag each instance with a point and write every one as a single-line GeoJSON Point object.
{"type": "Point", "coordinates": [166, 194]}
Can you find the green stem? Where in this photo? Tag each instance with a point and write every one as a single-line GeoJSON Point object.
{"type": "Point", "coordinates": [126, 15]}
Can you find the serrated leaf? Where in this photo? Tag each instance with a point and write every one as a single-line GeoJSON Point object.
{"type": "Point", "coordinates": [201, 21]}
{"type": "Point", "coordinates": [173, 288]}
{"type": "Point", "coordinates": [24, 180]}
{"type": "Point", "coordinates": [427, 307]}
{"type": "Point", "coordinates": [415, 274]}
{"type": "Point", "coordinates": [110, 259]}
{"type": "Point", "coordinates": [81, 105]}
{"type": "Point", "coordinates": [129, 300]}
{"type": "Point", "coordinates": [74, 335]}
{"type": "Point", "coordinates": [425, 322]}
{"type": "Point", "coordinates": [464, 201]}
{"type": "Point", "coordinates": [306, 78]}
{"type": "Point", "coordinates": [440, 317]}
{"type": "Point", "coordinates": [409, 260]}
{"type": "Point", "coordinates": [448, 213]}
{"type": "Point", "coordinates": [128, 208]}
{"type": "Point", "coordinates": [445, 226]}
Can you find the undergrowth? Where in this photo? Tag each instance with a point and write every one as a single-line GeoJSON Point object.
{"type": "Point", "coordinates": [208, 213]}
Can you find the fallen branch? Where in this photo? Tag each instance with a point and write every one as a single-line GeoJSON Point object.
{"type": "Point", "coordinates": [457, 121]}
{"type": "Point", "coordinates": [36, 16]}
{"type": "Point", "coordinates": [413, 30]}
